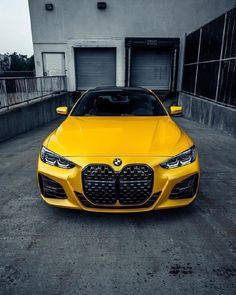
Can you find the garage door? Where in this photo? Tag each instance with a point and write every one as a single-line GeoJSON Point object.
{"type": "Point", "coordinates": [151, 68]}
{"type": "Point", "coordinates": [95, 67]}
{"type": "Point", "coordinates": [53, 64]}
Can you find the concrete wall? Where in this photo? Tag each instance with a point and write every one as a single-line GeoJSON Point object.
{"type": "Point", "coordinates": [75, 23]}
{"type": "Point", "coordinates": [28, 117]}
{"type": "Point", "coordinates": [209, 113]}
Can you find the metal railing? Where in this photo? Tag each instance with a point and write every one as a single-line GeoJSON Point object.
{"type": "Point", "coordinates": [15, 91]}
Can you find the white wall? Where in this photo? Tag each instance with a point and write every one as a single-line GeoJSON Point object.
{"type": "Point", "coordinates": [72, 22]}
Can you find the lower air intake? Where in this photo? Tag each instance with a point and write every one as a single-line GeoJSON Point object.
{"type": "Point", "coordinates": [150, 202]}
{"type": "Point", "coordinates": [50, 188]}
{"type": "Point", "coordinates": [185, 189]}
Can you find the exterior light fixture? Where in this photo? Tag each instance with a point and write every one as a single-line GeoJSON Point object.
{"type": "Point", "coordinates": [101, 5]}
{"type": "Point", "coordinates": [49, 6]}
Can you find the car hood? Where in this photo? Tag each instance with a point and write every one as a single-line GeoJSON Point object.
{"type": "Point", "coordinates": [118, 136]}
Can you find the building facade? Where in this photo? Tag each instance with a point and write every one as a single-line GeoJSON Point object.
{"type": "Point", "coordinates": [125, 42]}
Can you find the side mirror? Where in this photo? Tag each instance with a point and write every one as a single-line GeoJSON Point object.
{"type": "Point", "coordinates": [62, 111]}
{"type": "Point", "coordinates": [176, 110]}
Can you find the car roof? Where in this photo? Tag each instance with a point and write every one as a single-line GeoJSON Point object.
{"type": "Point", "coordinates": [117, 88]}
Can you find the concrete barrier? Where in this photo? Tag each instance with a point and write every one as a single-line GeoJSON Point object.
{"type": "Point", "coordinates": [27, 117]}
{"type": "Point", "coordinates": [209, 113]}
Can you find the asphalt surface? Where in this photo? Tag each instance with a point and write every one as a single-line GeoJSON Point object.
{"type": "Point", "coordinates": [45, 250]}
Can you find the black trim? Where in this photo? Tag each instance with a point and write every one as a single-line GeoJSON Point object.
{"type": "Point", "coordinates": [150, 42]}
{"type": "Point", "coordinates": [50, 188]}
{"type": "Point", "coordinates": [148, 203]}
{"type": "Point", "coordinates": [185, 189]}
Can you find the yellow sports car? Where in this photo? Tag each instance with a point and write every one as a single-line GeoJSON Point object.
{"type": "Point", "coordinates": [118, 150]}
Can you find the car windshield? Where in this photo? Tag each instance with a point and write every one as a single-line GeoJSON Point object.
{"type": "Point", "coordinates": [118, 103]}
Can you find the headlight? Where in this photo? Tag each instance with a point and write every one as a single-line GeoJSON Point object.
{"type": "Point", "coordinates": [182, 159]}
{"type": "Point", "coordinates": [55, 160]}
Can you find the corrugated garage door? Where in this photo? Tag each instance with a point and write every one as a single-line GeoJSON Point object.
{"type": "Point", "coordinates": [151, 68]}
{"type": "Point", "coordinates": [95, 67]}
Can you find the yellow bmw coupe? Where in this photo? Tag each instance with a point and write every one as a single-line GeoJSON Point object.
{"type": "Point", "coordinates": [118, 150]}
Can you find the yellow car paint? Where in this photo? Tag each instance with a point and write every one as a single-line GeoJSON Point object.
{"type": "Point", "coordinates": [62, 110]}
{"type": "Point", "coordinates": [144, 140]}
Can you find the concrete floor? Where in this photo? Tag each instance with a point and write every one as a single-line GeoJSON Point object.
{"type": "Point", "coordinates": [45, 250]}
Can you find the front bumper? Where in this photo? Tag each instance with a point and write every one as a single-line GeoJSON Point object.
{"type": "Point", "coordinates": [164, 181]}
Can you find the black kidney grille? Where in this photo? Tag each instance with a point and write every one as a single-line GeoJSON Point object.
{"type": "Point", "coordinates": [131, 186]}
{"type": "Point", "coordinates": [135, 184]}
{"type": "Point", "coordinates": [134, 192]}
{"type": "Point", "coordinates": [99, 184]}
{"type": "Point", "coordinates": [136, 173]}
{"type": "Point", "coordinates": [100, 192]}
{"type": "Point", "coordinates": [99, 172]}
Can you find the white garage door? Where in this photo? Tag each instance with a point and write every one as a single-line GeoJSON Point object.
{"type": "Point", "coordinates": [151, 68]}
{"type": "Point", "coordinates": [95, 67]}
{"type": "Point", "coordinates": [53, 64]}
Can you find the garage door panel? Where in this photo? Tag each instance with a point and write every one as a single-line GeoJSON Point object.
{"type": "Point", "coordinates": [95, 67]}
{"type": "Point", "coordinates": [151, 68]}
{"type": "Point", "coordinates": [53, 64]}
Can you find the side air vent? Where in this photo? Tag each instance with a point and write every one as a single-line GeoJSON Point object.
{"type": "Point", "coordinates": [50, 188]}
{"type": "Point", "coordinates": [185, 189]}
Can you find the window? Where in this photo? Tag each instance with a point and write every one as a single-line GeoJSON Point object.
{"type": "Point", "coordinates": [118, 103]}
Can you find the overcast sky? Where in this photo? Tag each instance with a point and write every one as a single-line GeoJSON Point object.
{"type": "Point", "coordinates": [15, 31]}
